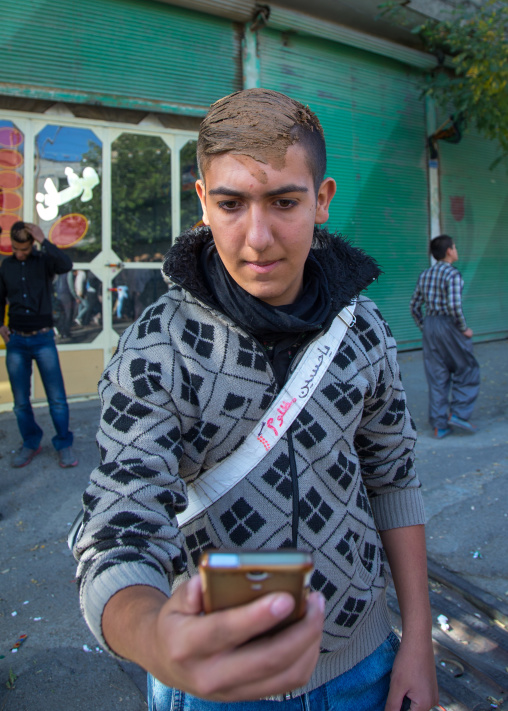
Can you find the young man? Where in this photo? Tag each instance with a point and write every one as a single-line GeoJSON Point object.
{"type": "Point", "coordinates": [447, 346]}
{"type": "Point", "coordinates": [248, 296]}
{"type": "Point", "coordinates": [26, 283]}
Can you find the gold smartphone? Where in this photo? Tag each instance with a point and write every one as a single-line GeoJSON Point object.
{"type": "Point", "coordinates": [232, 578]}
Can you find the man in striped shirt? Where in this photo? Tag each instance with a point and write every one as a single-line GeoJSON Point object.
{"type": "Point", "coordinates": [450, 366]}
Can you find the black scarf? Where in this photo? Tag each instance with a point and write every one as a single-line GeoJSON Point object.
{"type": "Point", "coordinates": [260, 319]}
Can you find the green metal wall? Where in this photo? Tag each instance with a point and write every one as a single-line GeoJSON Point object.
{"type": "Point", "coordinates": [128, 53]}
{"type": "Point", "coordinates": [474, 210]}
{"type": "Point", "coordinates": [375, 130]}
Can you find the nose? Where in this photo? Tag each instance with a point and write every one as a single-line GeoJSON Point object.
{"type": "Point", "coordinates": [258, 229]}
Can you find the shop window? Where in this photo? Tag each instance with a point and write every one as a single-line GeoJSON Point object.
{"type": "Point", "coordinates": [68, 201]}
{"type": "Point", "coordinates": [133, 290]}
{"type": "Point", "coordinates": [190, 206]}
{"type": "Point", "coordinates": [140, 198]}
{"type": "Point", "coordinates": [77, 306]}
{"type": "Point", "coordinates": [11, 181]}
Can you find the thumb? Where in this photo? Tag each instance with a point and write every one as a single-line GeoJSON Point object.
{"type": "Point", "coordinates": [188, 598]}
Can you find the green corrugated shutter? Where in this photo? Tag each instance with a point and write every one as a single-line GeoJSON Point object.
{"type": "Point", "coordinates": [130, 53]}
{"type": "Point", "coordinates": [375, 129]}
{"type": "Point", "coordinates": [474, 208]}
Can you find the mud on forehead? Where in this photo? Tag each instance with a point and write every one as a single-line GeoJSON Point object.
{"type": "Point", "coordinates": [256, 123]}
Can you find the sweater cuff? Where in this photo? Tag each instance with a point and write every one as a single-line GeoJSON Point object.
{"type": "Point", "coordinates": [96, 591]}
{"type": "Point", "coordinates": [396, 509]}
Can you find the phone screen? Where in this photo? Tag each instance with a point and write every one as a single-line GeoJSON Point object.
{"type": "Point", "coordinates": [264, 559]}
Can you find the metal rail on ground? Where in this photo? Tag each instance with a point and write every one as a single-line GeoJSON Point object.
{"type": "Point", "coordinates": [470, 636]}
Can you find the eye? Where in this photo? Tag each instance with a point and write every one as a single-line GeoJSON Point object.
{"type": "Point", "coordinates": [229, 205]}
{"type": "Point", "coordinates": [285, 203]}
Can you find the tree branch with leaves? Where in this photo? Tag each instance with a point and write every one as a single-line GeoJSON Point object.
{"type": "Point", "coordinates": [471, 76]}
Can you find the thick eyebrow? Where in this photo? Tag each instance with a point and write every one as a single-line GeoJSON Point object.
{"type": "Point", "coordinates": [291, 188]}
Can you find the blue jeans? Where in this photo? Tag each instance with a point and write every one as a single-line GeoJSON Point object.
{"type": "Point", "coordinates": [363, 688]}
{"type": "Point", "coordinates": [21, 351]}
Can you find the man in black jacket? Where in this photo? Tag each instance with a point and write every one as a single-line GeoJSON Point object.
{"type": "Point", "coordinates": [25, 283]}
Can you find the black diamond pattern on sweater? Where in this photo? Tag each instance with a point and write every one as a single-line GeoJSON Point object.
{"type": "Point", "coordinates": [200, 435]}
{"type": "Point", "coordinates": [241, 521]}
{"type": "Point", "coordinates": [344, 397]}
{"type": "Point", "coordinates": [320, 582]}
{"type": "Point", "coordinates": [199, 336]}
{"type": "Point", "coordinates": [191, 384]}
{"type": "Point", "coordinates": [249, 355]}
{"type": "Point", "coordinates": [150, 321]}
{"type": "Point", "coordinates": [344, 547]}
{"type": "Point", "coordinates": [279, 476]}
{"type": "Point", "coordinates": [350, 612]}
{"type": "Point", "coordinates": [314, 510]}
{"type": "Point", "coordinates": [124, 412]}
{"type": "Point", "coordinates": [197, 543]}
{"type": "Point", "coordinates": [307, 430]}
{"type": "Point", "coordinates": [368, 336]}
{"type": "Point", "coordinates": [145, 377]}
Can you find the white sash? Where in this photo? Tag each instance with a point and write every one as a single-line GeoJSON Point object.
{"type": "Point", "coordinates": [219, 479]}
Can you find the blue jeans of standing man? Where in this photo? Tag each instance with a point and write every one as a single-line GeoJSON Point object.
{"type": "Point", "coordinates": [21, 351]}
{"type": "Point", "coordinates": [363, 688]}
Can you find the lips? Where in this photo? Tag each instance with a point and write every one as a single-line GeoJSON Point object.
{"type": "Point", "coordinates": [263, 267]}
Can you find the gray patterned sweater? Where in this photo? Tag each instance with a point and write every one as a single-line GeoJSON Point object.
{"type": "Point", "coordinates": [185, 387]}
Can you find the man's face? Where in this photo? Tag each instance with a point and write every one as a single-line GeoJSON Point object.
{"type": "Point", "coordinates": [452, 254]}
{"type": "Point", "coordinates": [262, 220]}
{"type": "Point", "coordinates": [21, 250]}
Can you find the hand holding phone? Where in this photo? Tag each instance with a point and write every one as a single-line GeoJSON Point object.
{"type": "Point", "coordinates": [232, 578]}
{"type": "Point", "coordinates": [227, 656]}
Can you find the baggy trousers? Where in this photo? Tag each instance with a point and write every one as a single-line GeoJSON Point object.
{"type": "Point", "coordinates": [449, 365]}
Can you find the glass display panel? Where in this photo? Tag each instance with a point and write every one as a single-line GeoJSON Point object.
{"type": "Point", "coordinates": [77, 306]}
{"type": "Point", "coordinates": [141, 197]}
{"type": "Point", "coordinates": [68, 200]}
{"type": "Point", "coordinates": [133, 290]}
{"type": "Point", "coordinates": [12, 160]}
{"type": "Point", "coordinates": [190, 206]}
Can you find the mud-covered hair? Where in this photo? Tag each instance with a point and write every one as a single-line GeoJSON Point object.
{"type": "Point", "coordinates": [262, 124]}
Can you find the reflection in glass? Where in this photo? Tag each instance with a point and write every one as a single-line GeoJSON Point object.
{"type": "Point", "coordinates": [190, 207]}
{"type": "Point", "coordinates": [68, 201]}
{"type": "Point", "coordinates": [77, 306]}
{"type": "Point", "coordinates": [12, 161]}
{"type": "Point", "coordinates": [134, 290]}
{"type": "Point", "coordinates": [141, 197]}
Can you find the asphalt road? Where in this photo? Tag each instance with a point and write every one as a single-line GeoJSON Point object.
{"type": "Point", "coordinates": [59, 666]}
{"type": "Point", "coordinates": [465, 477]}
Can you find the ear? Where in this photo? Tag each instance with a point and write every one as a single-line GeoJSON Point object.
{"type": "Point", "coordinates": [326, 191]}
{"type": "Point", "coordinates": [201, 191]}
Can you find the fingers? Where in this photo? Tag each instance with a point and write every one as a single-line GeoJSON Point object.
{"type": "Point", "coordinates": [282, 661]}
{"type": "Point", "coordinates": [222, 655]}
{"type": "Point", "coordinates": [394, 702]}
{"type": "Point", "coordinates": [274, 675]}
{"type": "Point", "coordinates": [225, 630]}
{"type": "Point", "coordinates": [35, 231]}
{"type": "Point", "coordinates": [264, 666]}
{"type": "Point", "coordinates": [414, 676]}
{"type": "Point", "coordinates": [229, 628]}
